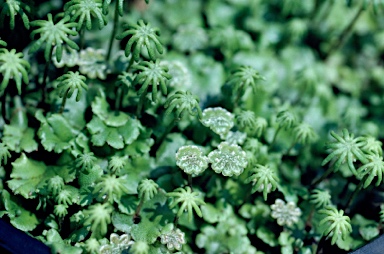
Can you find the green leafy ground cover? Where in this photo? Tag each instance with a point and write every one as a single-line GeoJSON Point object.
{"type": "Point", "coordinates": [204, 126]}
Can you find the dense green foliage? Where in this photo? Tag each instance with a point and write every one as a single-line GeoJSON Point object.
{"type": "Point", "coordinates": [264, 138]}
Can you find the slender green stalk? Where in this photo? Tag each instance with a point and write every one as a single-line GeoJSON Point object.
{"type": "Point", "coordinates": [115, 24]}
{"type": "Point", "coordinates": [315, 8]}
{"type": "Point", "coordinates": [274, 137]}
{"type": "Point", "coordinates": [46, 68]}
{"type": "Point", "coordinates": [237, 99]}
{"type": "Point", "coordinates": [310, 216]}
{"type": "Point", "coordinates": [344, 191]}
{"type": "Point", "coordinates": [18, 111]}
{"type": "Point", "coordinates": [17, 104]}
{"type": "Point", "coordinates": [138, 209]}
{"type": "Point", "coordinates": [290, 148]}
{"type": "Point", "coordinates": [190, 181]}
{"type": "Point", "coordinates": [140, 105]}
{"type": "Point", "coordinates": [63, 102]}
{"type": "Point", "coordinates": [325, 175]}
{"type": "Point", "coordinates": [355, 192]}
{"type": "Point", "coordinates": [82, 37]}
{"type": "Point", "coordinates": [44, 83]}
{"type": "Point", "coordinates": [3, 106]}
{"type": "Point", "coordinates": [118, 99]}
{"type": "Point", "coordinates": [45, 76]}
{"type": "Point", "coordinates": [323, 13]}
{"type": "Point", "coordinates": [131, 61]}
{"type": "Point", "coordinates": [345, 33]}
{"type": "Point", "coordinates": [176, 221]}
{"type": "Point", "coordinates": [313, 248]}
{"type": "Point", "coordinates": [166, 132]}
